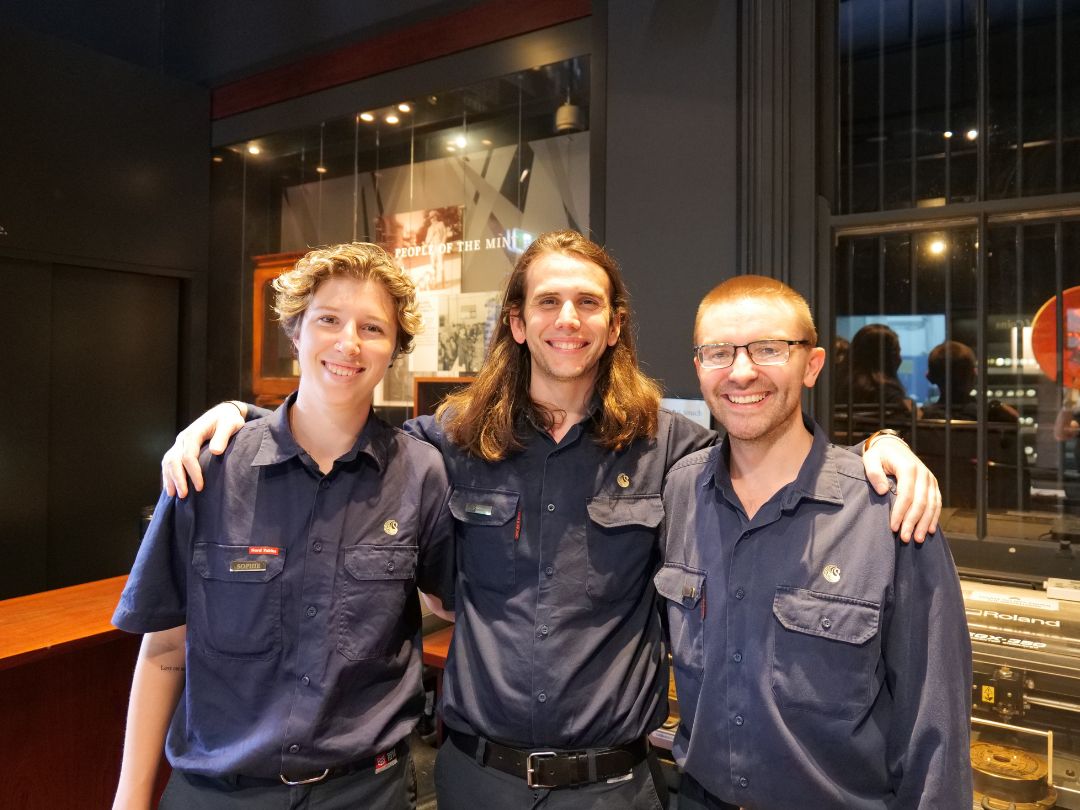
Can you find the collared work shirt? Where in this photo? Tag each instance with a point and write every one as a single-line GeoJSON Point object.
{"type": "Point", "coordinates": [819, 662]}
{"type": "Point", "coordinates": [299, 595]}
{"type": "Point", "coordinates": [557, 642]}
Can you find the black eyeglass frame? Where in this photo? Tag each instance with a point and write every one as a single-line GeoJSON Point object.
{"type": "Point", "coordinates": [736, 346]}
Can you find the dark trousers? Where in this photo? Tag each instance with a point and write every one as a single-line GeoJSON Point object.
{"type": "Point", "coordinates": [692, 796]}
{"type": "Point", "coordinates": [462, 783]}
{"type": "Point", "coordinates": [393, 789]}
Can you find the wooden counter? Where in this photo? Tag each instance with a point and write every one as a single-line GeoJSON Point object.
{"type": "Point", "coordinates": [65, 675]}
{"type": "Point", "coordinates": [43, 624]}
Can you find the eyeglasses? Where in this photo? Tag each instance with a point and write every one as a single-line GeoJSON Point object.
{"type": "Point", "coordinates": [761, 352]}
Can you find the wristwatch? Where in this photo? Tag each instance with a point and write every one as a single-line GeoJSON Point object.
{"type": "Point", "coordinates": [877, 434]}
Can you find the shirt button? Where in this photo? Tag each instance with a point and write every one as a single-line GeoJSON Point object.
{"type": "Point", "coordinates": [305, 680]}
{"type": "Point", "coordinates": [739, 720]}
{"type": "Point", "coordinates": [739, 593]}
{"type": "Point", "coordinates": [737, 657]}
{"type": "Point", "coordinates": [544, 630]}
{"type": "Point", "coordinates": [550, 570]}
{"type": "Point", "coordinates": [311, 610]}
{"type": "Point", "coordinates": [316, 546]}
{"type": "Point", "coordinates": [389, 567]}
{"type": "Point", "coordinates": [294, 749]}
{"type": "Point", "coordinates": [324, 484]}
{"type": "Point", "coordinates": [826, 622]}
{"type": "Point", "coordinates": [744, 782]}
{"type": "Point", "coordinates": [542, 697]}
{"type": "Point", "coordinates": [551, 507]}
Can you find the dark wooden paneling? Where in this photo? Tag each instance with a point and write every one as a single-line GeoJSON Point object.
{"type": "Point", "coordinates": [113, 372]}
{"type": "Point", "coordinates": [63, 728]}
{"type": "Point", "coordinates": [102, 160]}
{"type": "Point", "coordinates": [481, 24]}
{"type": "Point", "coordinates": [24, 428]}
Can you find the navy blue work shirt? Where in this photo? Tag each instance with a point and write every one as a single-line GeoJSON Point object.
{"type": "Point", "coordinates": [819, 662]}
{"type": "Point", "coordinates": [558, 641]}
{"type": "Point", "coordinates": [299, 594]}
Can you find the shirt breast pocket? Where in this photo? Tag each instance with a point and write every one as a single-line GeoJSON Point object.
{"type": "Point", "coordinates": [487, 521]}
{"type": "Point", "coordinates": [826, 649]}
{"type": "Point", "coordinates": [375, 589]}
{"type": "Point", "coordinates": [236, 610]}
{"type": "Point", "coordinates": [621, 538]}
{"type": "Point", "coordinates": [683, 588]}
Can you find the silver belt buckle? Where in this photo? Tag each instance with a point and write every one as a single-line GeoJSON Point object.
{"type": "Point", "coordinates": [310, 781]}
{"type": "Point", "coordinates": [531, 766]}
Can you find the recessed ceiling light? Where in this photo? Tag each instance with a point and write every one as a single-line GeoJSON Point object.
{"type": "Point", "coordinates": [391, 118]}
{"type": "Point", "coordinates": [948, 133]}
{"type": "Point", "coordinates": [253, 149]}
{"type": "Point", "coordinates": [486, 142]}
{"type": "Point", "coordinates": [403, 107]}
{"type": "Point", "coordinates": [451, 148]}
{"type": "Point", "coordinates": [367, 117]}
{"type": "Point", "coordinates": [460, 141]}
{"type": "Point", "coordinates": [937, 247]}
{"type": "Point", "coordinates": [218, 159]}
{"type": "Point", "coordinates": [320, 169]}
{"type": "Point", "coordinates": [972, 134]}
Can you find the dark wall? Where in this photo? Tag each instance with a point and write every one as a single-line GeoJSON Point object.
{"type": "Point", "coordinates": [211, 41]}
{"type": "Point", "coordinates": [103, 252]}
{"type": "Point", "coordinates": [671, 167]}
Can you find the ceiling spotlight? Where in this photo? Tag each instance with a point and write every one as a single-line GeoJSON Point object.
{"type": "Point", "coordinates": [486, 142]}
{"type": "Point", "coordinates": [937, 247]}
{"type": "Point", "coordinates": [253, 149]}
{"type": "Point", "coordinates": [403, 107]}
{"type": "Point", "coordinates": [948, 133]}
{"type": "Point", "coordinates": [460, 141]}
{"type": "Point", "coordinates": [391, 118]}
{"type": "Point", "coordinates": [971, 134]}
{"type": "Point", "coordinates": [320, 169]}
{"type": "Point", "coordinates": [451, 148]}
{"type": "Point", "coordinates": [218, 159]}
{"type": "Point", "coordinates": [367, 117]}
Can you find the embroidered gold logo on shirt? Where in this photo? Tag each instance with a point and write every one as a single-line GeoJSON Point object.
{"type": "Point", "coordinates": [831, 573]}
{"type": "Point", "coordinates": [390, 527]}
{"type": "Point", "coordinates": [247, 565]}
{"type": "Point", "coordinates": [623, 480]}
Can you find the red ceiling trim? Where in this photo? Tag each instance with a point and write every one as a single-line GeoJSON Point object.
{"type": "Point", "coordinates": [481, 24]}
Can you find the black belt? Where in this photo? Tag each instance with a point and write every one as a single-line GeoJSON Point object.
{"type": "Point", "coordinates": [554, 769]}
{"type": "Point", "coordinates": [368, 763]}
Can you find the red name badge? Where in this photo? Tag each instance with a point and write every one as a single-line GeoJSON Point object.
{"type": "Point", "coordinates": [264, 550]}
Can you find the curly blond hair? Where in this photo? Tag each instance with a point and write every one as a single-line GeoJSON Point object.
{"type": "Point", "coordinates": [362, 261]}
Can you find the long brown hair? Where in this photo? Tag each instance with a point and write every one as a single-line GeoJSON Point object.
{"type": "Point", "coordinates": [484, 419]}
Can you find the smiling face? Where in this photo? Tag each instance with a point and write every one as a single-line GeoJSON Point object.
{"type": "Point", "coordinates": [756, 403]}
{"type": "Point", "coordinates": [566, 320]}
{"type": "Point", "coordinates": [345, 342]}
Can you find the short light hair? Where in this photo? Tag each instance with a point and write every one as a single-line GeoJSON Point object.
{"type": "Point", "coordinates": [759, 287]}
{"type": "Point", "coordinates": [362, 261]}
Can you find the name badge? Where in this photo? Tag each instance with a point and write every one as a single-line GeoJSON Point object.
{"type": "Point", "coordinates": [478, 508]}
{"type": "Point", "coordinates": [247, 565]}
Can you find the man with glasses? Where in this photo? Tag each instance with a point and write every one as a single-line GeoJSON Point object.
{"type": "Point", "coordinates": [819, 661]}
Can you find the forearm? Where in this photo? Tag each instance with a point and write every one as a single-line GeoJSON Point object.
{"type": "Point", "coordinates": [155, 691]}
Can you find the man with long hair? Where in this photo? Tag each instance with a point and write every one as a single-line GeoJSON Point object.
{"type": "Point", "coordinates": [556, 455]}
